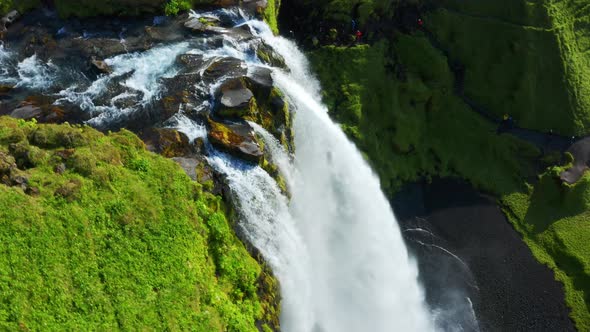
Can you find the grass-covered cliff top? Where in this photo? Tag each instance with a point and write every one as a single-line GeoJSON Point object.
{"type": "Point", "coordinates": [99, 234]}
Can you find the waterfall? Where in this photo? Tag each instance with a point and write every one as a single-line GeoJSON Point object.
{"type": "Point", "coordinates": [335, 246]}
{"type": "Point", "coordinates": [362, 279]}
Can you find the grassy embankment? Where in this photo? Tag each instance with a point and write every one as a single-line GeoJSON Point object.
{"type": "Point", "coordinates": [119, 238]}
{"type": "Point", "coordinates": [395, 99]}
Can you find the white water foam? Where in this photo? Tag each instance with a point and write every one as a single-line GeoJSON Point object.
{"type": "Point", "coordinates": [185, 125]}
{"type": "Point", "coordinates": [147, 68]}
{"type": "Point", "coordinates": [363, 277]}
{"type": "Point", "coordinates": [35, 74]}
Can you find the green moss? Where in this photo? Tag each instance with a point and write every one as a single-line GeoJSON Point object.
{"type": "Point", "coordinates": [120, 239]}
{"type": "Point", "coordinates": [271, 13]}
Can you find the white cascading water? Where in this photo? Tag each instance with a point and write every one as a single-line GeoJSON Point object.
{"type": "Point", "coordinates": [362, 278]}
{"type": "Point", "coordinates": [335, 246]}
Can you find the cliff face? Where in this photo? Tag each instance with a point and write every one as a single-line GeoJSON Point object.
{"type": "Point", "coordinates": [426, 90]}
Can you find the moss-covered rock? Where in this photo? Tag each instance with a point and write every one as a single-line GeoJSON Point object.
{"type": "Point", "coordinates": [120, 238]}
{"type": "Point", "coordinates": [167, 142]}
{"type": "Point", "coordinates": [235, 138]}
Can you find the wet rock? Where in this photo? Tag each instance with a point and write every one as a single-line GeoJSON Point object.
{"type": "Point", "coordinates": [240, 34]}
{"type": "Point", "coordinates": [225, 67]}
{"type": "Point", "coordinates": [188, 165]}
{"type": "Point", "coordinates": [255, 6]}
{"type": "Point", "coordinates": [38, 41]}
{"type": "Point", "coordinates": [203, 24]}
{"type": "Point", "coordinates": [40, 108]}
{"type": "Point", "coordinates": [107, 47]}
{"type": "Point", "coordinates": [198, 169]}
{"type": "Point", "coordinates": [235, 99]}
{"type": "Point", "coordinates": [8, 19]}
{"type": "Point", "coordinates": [235, 138]}
{"type": "Point", "coordinates": [180, 93]}
{"type": "Point", "coordinates": [227, 3]}
{"type": "Point", "coordinates": [261, 76]}
{"type": "Point", "coordinates": [161, 34]}
{"type": "Point", "coordinates": [26, 111]}
{"type": "Point", "coordinates": [267, 55]}
{"type": "Point", "coordinates": [192, 62]}
{"type": "Point", "coordinates": [167, 142]}
{"type": "Point", "coordinates": [101, 66]}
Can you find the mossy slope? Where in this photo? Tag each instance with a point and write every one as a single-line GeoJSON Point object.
{"type": "Point", "coordinates": [104, 235]}
{"type": "Point", "coordinates": [531, 59]}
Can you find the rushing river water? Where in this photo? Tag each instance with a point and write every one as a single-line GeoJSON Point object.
{"type": "Point", "coordinates": [335, 246]}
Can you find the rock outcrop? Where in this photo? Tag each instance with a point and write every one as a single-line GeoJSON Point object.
{"type": "Point", "coordinates": [237, 139]}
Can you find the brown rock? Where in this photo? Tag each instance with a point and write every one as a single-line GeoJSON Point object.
{"type": "Point", "coordinates": [167, 142]}
{"type": "Point", "coordinates": [235, 138]}
{"type": "Point", "coordinates": [101, 66]}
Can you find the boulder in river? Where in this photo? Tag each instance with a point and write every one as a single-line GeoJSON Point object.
{"type": "Point", "coordinates": [235, 99]}
{"type": "Point", "coordinates": [101, 66]}
{"type": "Point", "coordinates": [180, 93]}
{"type": "Point", "coordinates": [192, 62]}
{"type": "Point", "coordinates": [203, 24]}
{"type": "Point", "coordinates": [225, 67]}
{"type": "Point", "coordinates": [107, 47]}
{"type": "Point", "coordinates": [164, 34]}
{"type": "Point", "coordinates": [235, 138]}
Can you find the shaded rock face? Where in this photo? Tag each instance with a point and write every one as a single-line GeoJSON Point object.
{"type": "Point", "coordinates": [581, 163]}
{"type": "Point", "coordinates": [225, 67]}
{"type": "Point", "coordinates": [235, 138]}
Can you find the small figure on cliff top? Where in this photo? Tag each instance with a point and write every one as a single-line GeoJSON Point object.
{"type": "Point", "coordinates": [420, 23]}
{"type": "Point", "coordinates": [353, 23]}
{"type": "Point", "coordinates": [359, 36]}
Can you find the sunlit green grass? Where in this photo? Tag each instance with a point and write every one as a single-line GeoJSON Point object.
{"type": "Point", "coordinates": [123, 239]}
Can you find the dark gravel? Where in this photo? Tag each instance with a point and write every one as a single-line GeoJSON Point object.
{"type": "Point", "coordinates": [493, 268]}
